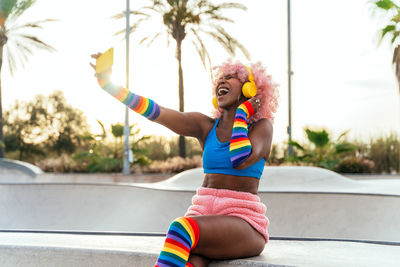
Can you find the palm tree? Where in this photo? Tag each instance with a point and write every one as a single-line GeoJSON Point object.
{"type": "Point", "coordinates": [196, 18]}
{"type": "Point", "coordinates": [393, 31]}
{"type": "Point", "coordinates": [16, 42]}
{"type": "Point", "coordinates": [325, 152]}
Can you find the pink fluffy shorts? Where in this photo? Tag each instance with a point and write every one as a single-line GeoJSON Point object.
{"type": "Point", "coordinates": [211, 201]}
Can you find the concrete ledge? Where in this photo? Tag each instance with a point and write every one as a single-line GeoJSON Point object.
{"type": "Point", "coordinates": [44, 249]}
{"type": "Point", "coordinates": [20, 167]}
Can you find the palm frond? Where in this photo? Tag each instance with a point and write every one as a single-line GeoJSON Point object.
{"type": "Point", "coordinates": [343, 135]}
{"type": "Point", "coordinates": [103, 129]}
{"type": "Point", "coordinates": [217, 17]}
{"type": "Point", "coordinates": [231, 5]}
{"type": "Point", "coordinates": [24, 50]}
{"type": "Point", "coordinates": [387, 29]}
{"type": "Point", "coordinates": [20, 7]}
{"type": "Point", "coordinates": [6, 7]}
{"type": "Point", "coordinates": [297, 145]}
{"type": "Point", "coordinates": [37, 42]}
{"type": "Point", "coordinates": [221, 41]}
{"type": "Point", "coordinates": [231, 43]}
{"type": "Point", "coordinates": [132, 12]}
{"type": "Point", "coordinates": [396, 63]}
{"type": "Point", "coordinates": [244, 51]}
{"type": "Point", "coordinates": [318, 138]}
{"type": "Point", "coordinates": [36, 24]}
{"type": "Point", "coordinates": [155, 8]}
{"type": "Point", "coordinates": [155, 36]}
{"type": "Point", "coordinates": [133, 28]}
{"type": "Point", "coordinates": [144, 39]}
{"type": "Point", "coordinates": [11, 60]}
{"type": "Point", "coordinates": [202, 50]}
{"type": "Point", "coordinates": [211, 9]}
{"type": "Point", "coordinates": [344, 147]}
{"type": "Point", "coordinates": [385, 4]}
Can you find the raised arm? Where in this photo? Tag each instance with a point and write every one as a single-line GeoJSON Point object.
{"type": "Point", "coordinates": [189, 124]}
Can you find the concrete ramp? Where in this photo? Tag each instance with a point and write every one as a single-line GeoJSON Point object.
{"type": "Point", "coordinates": [301, 202]}
{"type": "Point", "coordinates": [137, 209]}
{"type": "Point", "coordinates": [17, 171]}
{"type": "Point", "coordinates": [89, 207]}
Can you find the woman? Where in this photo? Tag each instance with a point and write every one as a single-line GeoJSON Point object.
{"type": "Point", "coordinates": [226, 219]}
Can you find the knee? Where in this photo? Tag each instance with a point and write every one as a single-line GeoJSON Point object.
{"type": "Point", "coordinates": [187, 228]}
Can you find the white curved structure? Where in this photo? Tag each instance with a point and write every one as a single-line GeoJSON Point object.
{"type": "Point", "coordinates": [301, 202]}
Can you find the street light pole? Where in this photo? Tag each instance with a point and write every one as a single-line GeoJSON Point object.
{"type": "Point", "coordinates": [126, 169]}
{"type": "Point", "coordinates": [290, 73]}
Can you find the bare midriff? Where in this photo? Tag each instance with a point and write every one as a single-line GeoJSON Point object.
{"type": "Point", "coordinates": [231, 182]}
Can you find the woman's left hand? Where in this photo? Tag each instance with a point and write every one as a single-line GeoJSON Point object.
{"type": "Point", "coordinates": [255, 102]}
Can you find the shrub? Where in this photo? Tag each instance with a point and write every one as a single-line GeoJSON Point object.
{"type": "Point", "coordinates": [94, 162]}
{"type": "Point", "coordinates": [384, 152]}
{"type": "Point", "coordinates": [355, 165]}
{"type": "Point", "coordinates": [63, 163]}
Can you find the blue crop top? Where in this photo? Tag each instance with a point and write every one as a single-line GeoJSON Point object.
{"type": "Point", "coordinates": [216, 158]}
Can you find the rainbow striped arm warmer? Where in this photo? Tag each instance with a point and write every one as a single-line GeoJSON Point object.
{"type": "Point", "coordinates": [142, 105]}
{"type": "Point", "coordinates": [182, 237]}
{"type": "Point", "coordinates": [240, 146]}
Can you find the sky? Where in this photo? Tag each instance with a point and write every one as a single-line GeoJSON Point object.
{"type": "Point", "coordinates": [342, 79]}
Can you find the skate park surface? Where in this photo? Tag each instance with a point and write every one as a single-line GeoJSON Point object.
{"type": "Point", "coordinates": [317, 218]}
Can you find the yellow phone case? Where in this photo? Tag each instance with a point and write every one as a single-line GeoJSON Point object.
{"type": "Point", "coordinates": [105, 61]}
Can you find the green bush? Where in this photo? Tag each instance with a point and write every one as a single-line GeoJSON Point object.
{"type": "Point", "coordinates": [384, 152]}
{"type": "Point", "coordinates": [355, 165]}
{"type": "Point", "coordinates": [94, 162]}
{"type": "Point", "coordinates": [321, 151]}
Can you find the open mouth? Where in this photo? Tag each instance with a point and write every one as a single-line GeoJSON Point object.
{"type": "Point", "coordinates": [222, 91]}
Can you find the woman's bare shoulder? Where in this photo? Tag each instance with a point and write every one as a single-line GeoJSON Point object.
{"type": "Point", "coordinates": [264, 125]}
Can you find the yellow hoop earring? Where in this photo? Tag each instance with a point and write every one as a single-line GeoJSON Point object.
{"type": "Point", "coordinates": [215, 102]}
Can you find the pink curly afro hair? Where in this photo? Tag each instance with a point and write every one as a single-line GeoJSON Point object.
{"type": "Point", "coordinates": [267, 90]}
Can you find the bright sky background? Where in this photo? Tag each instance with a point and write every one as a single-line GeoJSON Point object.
{"type": "Point", "coordinates": [342, 79]}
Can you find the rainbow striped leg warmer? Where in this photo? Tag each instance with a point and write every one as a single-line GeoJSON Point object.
{"type": "Point", "coordinates": [144, 106]}
{"type": "Point", "coordinates": [182, 236]}
{"type": "Point", "coordinates": [240, 146]}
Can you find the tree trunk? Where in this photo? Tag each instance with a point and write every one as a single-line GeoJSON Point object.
{"type": "Point", "coordinates": [1, 109]}
{"type": "Point", "coordinates": [182, 143]}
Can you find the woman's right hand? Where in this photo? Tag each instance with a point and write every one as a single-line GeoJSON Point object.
{"type": "Point", "coordinates": [104, 73]}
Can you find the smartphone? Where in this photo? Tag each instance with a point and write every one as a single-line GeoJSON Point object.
{"type": "Point", "coordinates": [105, 61]}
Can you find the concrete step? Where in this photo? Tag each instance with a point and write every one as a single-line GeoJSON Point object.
{"type": "Point", "coordinates": [102, 249]}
